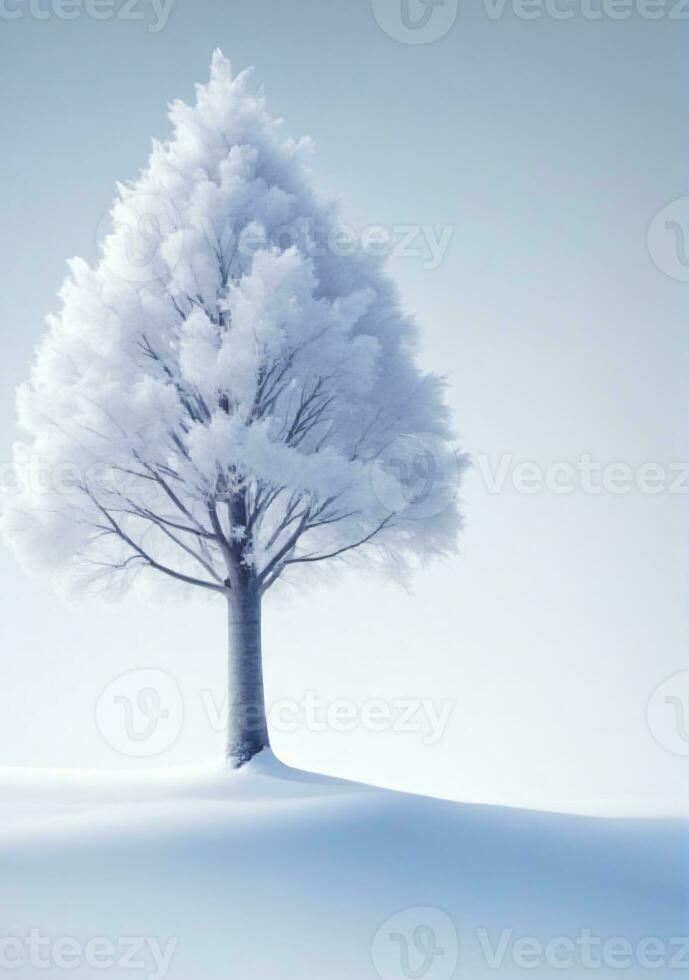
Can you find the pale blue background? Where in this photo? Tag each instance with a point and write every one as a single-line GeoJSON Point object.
{"type": "Point", "coordinates": [550, 146]}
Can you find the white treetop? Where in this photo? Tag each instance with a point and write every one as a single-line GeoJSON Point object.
{"type": "Point", "coordinates": [231, 389]}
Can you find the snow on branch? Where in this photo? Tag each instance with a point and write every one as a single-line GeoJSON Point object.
{"type": "Point", "coordinates": [217, 404]}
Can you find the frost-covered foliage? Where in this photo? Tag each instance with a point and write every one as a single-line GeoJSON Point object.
{"type": "Point", "coordinates": [224, 394]}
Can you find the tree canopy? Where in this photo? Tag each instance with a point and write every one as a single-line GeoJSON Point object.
{"type": "Point", "coordinates": [225, 392]}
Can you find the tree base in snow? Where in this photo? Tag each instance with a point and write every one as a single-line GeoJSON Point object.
{"type": "Point", "coordinates": [241, 754]}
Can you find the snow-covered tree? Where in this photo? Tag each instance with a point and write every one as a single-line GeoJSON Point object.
{"type": "Point", "coordinates": [229, 395]}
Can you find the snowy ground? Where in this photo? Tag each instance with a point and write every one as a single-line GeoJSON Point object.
{"type": "Point", "coordinates": [272, 873]}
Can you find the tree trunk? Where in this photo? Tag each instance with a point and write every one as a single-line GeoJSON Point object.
{"type": "Point", "coordinates": [247, 728]}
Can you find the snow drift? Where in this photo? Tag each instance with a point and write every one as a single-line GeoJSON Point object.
{"type": "Point", "coordinates": [272, 873]}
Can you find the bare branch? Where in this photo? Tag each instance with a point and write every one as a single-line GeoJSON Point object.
{"type": "Point", "coordinates": [223, 543]}
{"type": "Point", "coordinates": [122, 534]}
{"type": "Point", "coordinates": [333, 554]}
{"type": "Point", "coordinates": [285, 550]}
{"type": "Point", "coordinates": [185, 547]}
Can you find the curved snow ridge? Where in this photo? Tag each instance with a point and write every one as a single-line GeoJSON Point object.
{"type": "Point", "coordinates": [36, 791]}
{"type": "Point", "coordinates": [35, 802]}
{"type": "Point", "coordinates": [271, 866]}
